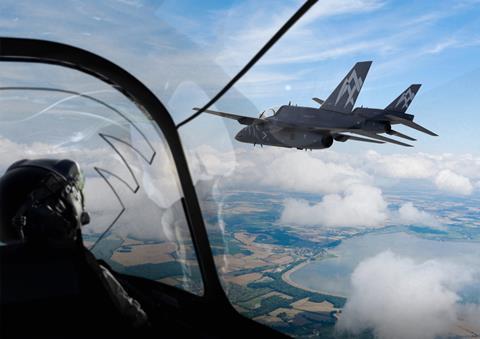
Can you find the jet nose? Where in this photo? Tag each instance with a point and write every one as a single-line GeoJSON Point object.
{"type": "Point", "coordinates": [239, 135]}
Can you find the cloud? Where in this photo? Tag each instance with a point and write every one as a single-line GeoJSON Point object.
{"type": "Point", "coordinates": [452, 182]}
{"type": "Point", "coordinates": [303, 172]}
{"type": "Point", "coordinates": [405, 166]}
{"type": "Point", "coordinates": [398, 298]}
{"type": "Point", "coordinates": [467, 164]}
{"type": "Point", "coordinates": [440, 46]}
{"type": "Point", "coordinates": [248, 33]}
{"type": "Point", "coordinates": [331, 172]}
{"type": "Point", "coordinates": [360, 206]}
{"type": "Point", "coordinates": [408, 214]}
{"type": "Point", "coordinates": [333, 7]}
{"type": "Point", "coordinates": [287, 170]}
{"type": "Point", "coordinates": [452, 43]}
{"type": "Point", "coordinates": [451, 173]}
{"type": "Point", "coordinates": [143, 217]}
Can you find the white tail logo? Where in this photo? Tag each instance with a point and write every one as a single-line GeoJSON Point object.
{"type": "Point", "coordinates": [406, 98]}
{"type": "Point", "coordinates": [350, 89]}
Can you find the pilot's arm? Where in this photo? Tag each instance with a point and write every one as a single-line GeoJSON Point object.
{"type": "Point", "coordinates": [128, 307]}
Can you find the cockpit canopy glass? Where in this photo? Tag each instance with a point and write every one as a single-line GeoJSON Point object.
{"type": "Point", "coordinates": [131, 190]}
{"type": "Point", "coordinates": [269, 112]}
{"type": "Point", "coordinates": [362, 238]}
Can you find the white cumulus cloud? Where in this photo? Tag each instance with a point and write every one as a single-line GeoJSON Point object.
{"type": "Point", "coordinates": [280, 169]}
{"type": "Point", "coordinates": [300, 171]}
{"type": "Point", "coordinates": [452, 182]}
{"type": "Point", "coordinates": [410, 215]}
{"type": "Point", "coordinates": [417, 166]}
{"type": "Point", "coordinates": [359, 206]}
{"type": "Point", "coordinates": [398, 298]}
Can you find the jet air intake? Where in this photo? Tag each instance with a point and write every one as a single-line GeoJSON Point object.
{"type": "Point", "coordinates": [388, 128]}
{"type": "Point", "coordinates": [327, 141]}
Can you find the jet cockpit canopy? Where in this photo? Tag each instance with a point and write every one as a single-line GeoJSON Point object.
{"type": "Point", "coordinates": [269, 112]}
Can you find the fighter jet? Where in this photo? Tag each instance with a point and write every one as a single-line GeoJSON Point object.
{"type": "Point", "coordinates": [336, 119]}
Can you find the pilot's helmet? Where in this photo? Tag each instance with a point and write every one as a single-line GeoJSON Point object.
{"type": "Point", "coordinates": [41, 201]}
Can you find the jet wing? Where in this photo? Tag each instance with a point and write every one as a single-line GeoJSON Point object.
{"type": "Point", "coordinates": [401, 135]}
{"type": "Point", "coordinates": [410, 124]}
{"type": "Point", "coordinates": [240, 118]}
{"type": "Point", "coordinates": [362, 133]}
{"type": "Point", "coordinates": [378, 137]}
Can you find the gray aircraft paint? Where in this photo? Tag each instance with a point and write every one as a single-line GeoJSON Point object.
{"type": "Point", "coordinates": [317, 128]}
{"type": "Point", "coordinates": [344, 96]}
{"type": "Point", "coordinates": [401, 103]}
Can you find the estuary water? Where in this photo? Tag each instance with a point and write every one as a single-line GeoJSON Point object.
{"type": "Point", "coordinates": [332, 275]}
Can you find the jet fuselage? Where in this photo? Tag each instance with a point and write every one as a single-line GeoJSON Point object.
{"type": "Point", "coordinates": [276, 130]}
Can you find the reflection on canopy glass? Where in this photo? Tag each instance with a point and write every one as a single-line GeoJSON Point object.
{"type": "Point", "coordinates": [137, 220]}
{"type": "Point", "coordinates": [356, 239]}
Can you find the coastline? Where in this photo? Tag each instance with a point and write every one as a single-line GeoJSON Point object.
{"type": "Point", "coordinates": [286, 278]}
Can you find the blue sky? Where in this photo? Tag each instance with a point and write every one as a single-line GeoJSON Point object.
{"type": "Point", "coordinates": [435, 43]}
{"type": "Point", "coordinates": [167, 44]}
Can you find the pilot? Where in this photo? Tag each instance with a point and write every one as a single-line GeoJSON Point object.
{"type": "Point", "coordinates": [42, 210]}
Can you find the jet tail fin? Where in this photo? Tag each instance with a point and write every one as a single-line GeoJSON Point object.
{"type": "Point", "coordinates": [401, 103]}
{"type": "Point", "coordinates": [344, 96]}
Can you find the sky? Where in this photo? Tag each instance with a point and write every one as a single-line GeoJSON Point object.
{"type": "Point", "coordinates": [435, 43]}
{"type": "Point", "coordinates": [186, 51]}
